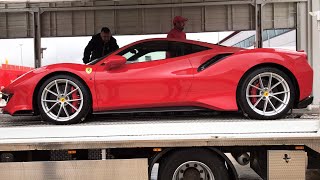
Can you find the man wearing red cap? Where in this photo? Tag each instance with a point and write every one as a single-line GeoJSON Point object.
{"type": "Point", "coordinates": [177, 31]}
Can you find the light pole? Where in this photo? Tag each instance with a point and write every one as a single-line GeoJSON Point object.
{"type": "Point", "coordinates": [21, 54]}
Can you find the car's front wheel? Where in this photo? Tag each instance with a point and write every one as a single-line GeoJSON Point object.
{"type": "Point", "coordinates": [266, 93]}
{"type": "Point", "coordinates": [63, 99]}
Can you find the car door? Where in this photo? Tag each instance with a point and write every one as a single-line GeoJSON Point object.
{"type": "Point", "coordinates": [148, 79]}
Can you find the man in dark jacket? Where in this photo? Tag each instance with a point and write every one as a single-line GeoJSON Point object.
{"type": "Point", "coordinates": [100, 45]}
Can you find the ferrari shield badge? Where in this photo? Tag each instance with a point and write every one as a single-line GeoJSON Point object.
{"type": "Point", "coordinates": [89, 70]}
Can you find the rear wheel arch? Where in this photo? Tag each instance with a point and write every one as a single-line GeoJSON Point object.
{"type": "Point", "coordinates": [272, 65]}
{"type": "Point", "coordinates": [37, 88]}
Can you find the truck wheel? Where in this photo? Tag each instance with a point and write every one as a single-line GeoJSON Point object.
{"type": "Point", "coordinates": [192, 164]}
{"type": "Point", "coordinates": [266, 93]}
{"type": "Point", "coordinates": [63, 99]}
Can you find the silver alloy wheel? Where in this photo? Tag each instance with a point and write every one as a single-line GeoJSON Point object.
{"type": "Point", "coordinates": [193, 168]}
{"type": "Point", "coordinates": [60, 105]}
{"type": "Point", "coordinates": [268, 94]}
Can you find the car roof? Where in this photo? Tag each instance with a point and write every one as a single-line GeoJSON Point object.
{"type": "Point", "coordinates": [209, 45]}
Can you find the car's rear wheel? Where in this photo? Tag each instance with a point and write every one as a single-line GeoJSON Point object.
{"type": "Point", "coordinates": [63, 99]}
{"type": "Point", "coordinates": [266, 93]}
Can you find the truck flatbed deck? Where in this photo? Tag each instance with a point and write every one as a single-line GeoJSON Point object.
{"type": "Point", "coordinates": [27, 133]}
{"type": "Point", "coordinates": [161, 130]}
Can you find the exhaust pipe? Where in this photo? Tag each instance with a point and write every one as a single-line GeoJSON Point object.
{"type": "Point", "coordinates": [242, 158]}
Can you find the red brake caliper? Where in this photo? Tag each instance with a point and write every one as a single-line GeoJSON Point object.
{"type": "Point", "coordinates": [74, 103]}
{"type": "Point", "coordinates": [254, 91]}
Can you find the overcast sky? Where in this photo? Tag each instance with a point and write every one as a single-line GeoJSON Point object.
{"type": "Point", "coordinates": [70, 49]}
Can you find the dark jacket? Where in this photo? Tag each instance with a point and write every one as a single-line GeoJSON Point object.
{"type": "Point", "coordinates": [97, 48]}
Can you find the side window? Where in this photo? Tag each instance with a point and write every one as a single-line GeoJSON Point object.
{"type": "Point", "coordinates": [191, 48]}
{"type": "Point", "coordinates": [147, 51]}
{"type": "Point", "coordinates": [177, 49]}
{"type": "Point", "coordinates": [152, 56]}
{"type": "Point", "coordinates": [196, 48]}
{"type": "Point", "coordinates": [129, 54]}
{"type": "Point", "coordinates": [159, 50]}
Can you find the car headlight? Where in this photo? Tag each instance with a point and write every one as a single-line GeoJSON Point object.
{"type": "Point", "coordinates": [6, 97]}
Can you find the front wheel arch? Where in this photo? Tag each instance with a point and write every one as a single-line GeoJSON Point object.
{"type": "Point", "coordinates": [272, 65]}
{"type": "Point", "coordinates": [37, 88]}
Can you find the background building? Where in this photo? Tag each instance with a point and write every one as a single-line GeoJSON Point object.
{"type": "Point", "coordinates": [273, 38]}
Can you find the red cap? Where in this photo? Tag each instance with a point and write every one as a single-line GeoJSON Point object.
{"type": "Point", "coordinates": [179, 19]}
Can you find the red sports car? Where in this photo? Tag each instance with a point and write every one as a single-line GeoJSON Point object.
{"type": "Point", "coordinates": [167, 74]}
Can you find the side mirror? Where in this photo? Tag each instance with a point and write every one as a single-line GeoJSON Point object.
{"type": "Point", "coordinates": [114, 62]}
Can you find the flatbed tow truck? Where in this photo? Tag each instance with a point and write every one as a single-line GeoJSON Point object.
{"type": "Point", "coordinates": [132, 146]}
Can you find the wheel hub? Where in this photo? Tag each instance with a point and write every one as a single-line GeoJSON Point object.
{"type": "Point", "coordinates": [191, 174]}
{"type": "Point", "coordinates": [62, 100]}
{"type": "Point", "coordinates": [193, 170]}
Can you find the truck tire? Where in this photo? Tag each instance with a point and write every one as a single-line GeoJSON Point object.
{"type": "Point", "coordinates": [192, 164]}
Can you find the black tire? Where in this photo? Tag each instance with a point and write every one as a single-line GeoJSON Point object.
{"type": "Point", "coordinates": [85, 108]}
{"type": "Point", "coordinates": [248, 109]}
{"type": "Point", "coordinates": [169, 164]}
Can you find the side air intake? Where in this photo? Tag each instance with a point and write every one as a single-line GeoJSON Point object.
{"type": "Point", "coordinates": [212, 61]}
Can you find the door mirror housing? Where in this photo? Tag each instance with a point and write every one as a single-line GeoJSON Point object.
{"type": "Point", "coordinates": [114, 62]}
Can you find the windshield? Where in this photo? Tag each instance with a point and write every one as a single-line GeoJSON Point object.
{"type": "Point", "coordinates": [95, 61]}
